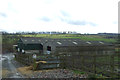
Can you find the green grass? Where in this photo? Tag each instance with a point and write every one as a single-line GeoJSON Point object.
{"type": "Point", "coordinates": [117, 58]}
{"type": "Point", "coordinates": [107, 58]}
{"type": "Point", "coordinates": [104, 59]}
{"type": "Point", "coordinates": [89, 75]}
{"type": "Point", "coordinates": [97, 76]}
{"type": "Point", "coordinates": [82, 37]}
{"type": "Point", "coordinates": [78, 72]}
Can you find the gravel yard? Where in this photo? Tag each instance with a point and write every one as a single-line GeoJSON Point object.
{"type": "Point", "coordinates": [13, 69]}
{"type": "Point", "coordinates": [49, 73]}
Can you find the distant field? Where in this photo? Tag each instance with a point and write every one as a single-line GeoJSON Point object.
{"type": "Point", "coordinates": [82, 37]}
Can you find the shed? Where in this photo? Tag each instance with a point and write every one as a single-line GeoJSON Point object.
{"type": "Point", "coordinates": [28, 45]}
{"type": "Point", "coordinates": [77, 46]}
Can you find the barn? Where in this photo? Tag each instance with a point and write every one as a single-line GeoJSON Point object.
{"type": "Point", "coordinates": [30, 45]}
{"type": "Point", "coordinates": [62, 46]}
{"type": "Point", "coordinates": [53, 46]}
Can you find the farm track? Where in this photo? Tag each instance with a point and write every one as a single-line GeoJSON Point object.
{"type": "Point", "coordinates": [10, 69]}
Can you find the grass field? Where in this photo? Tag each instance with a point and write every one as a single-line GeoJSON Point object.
{"type": "Point", "coordinates": [82, 37]}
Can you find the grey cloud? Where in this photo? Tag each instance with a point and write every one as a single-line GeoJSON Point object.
{"type": "Point", "coordinates": [77, 22]}
{"type": "Point", "coordinates": [65, 14]}
{"type": "Point", "coordinates": [92, 24]}
{"type": "Point", "coordinates": [67, 19]}
{"type": "Point", "coordinates": [44, 19]}
{"type": "Point", "coordinates": [115, 22]}
{"type": "Point", "coordinates": [3, 14]}
{"type": "Point", "coordinates": [81, 23]}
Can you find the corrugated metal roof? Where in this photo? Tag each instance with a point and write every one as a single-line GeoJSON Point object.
{"type": "Point", "coordinates": [88, 42]}
{"type": "Point", "coordinates": [59, 43]}
{"type": "Point", "coordinates": [75, 43]}
{"type": "Point", "coordinates": [62, 42]}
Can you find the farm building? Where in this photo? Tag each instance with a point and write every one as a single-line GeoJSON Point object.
{"type": "Point", "coordinates": [77, 46]}
{"type": "Point", "coordinates": [52, 46]}
{"type": "Point", "coordinates": [30, 45]}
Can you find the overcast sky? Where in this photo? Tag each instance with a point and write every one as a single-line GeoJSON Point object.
{"type": "Point", "coordinates": [84, 16]}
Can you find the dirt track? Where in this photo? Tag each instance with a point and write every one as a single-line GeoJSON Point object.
{"type": "Point", "coordinates": [8, 68]}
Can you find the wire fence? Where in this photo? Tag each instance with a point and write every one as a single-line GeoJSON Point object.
{"type": "Point", "coordinates": [105, 64]}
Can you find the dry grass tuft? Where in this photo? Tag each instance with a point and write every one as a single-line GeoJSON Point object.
{"type": "Point", "coordinates": [25, 70]}
{"type": "Point", "coordinates": [4, 73]}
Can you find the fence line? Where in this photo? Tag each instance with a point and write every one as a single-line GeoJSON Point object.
{"type": "Point", "coordinates": [104, 64]}
{"type": "Point", "coordinates": [96, 64]}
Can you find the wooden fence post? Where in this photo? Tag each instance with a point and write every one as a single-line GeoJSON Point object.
{"type": "Point", "coordinates": [94, 63]}
{"type": "Point", "coordinates": [34, 64]}
{"type": "Point", "coordinates": [112, 63]}
{"type": "Point", "coordinates": [82, 61]}
{"type": "Point", "coordinates": [73, 62]}
{"type": "Point", "coordinates": [64, 61]}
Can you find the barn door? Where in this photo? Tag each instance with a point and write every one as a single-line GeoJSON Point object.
{"type": "Point", "coordinates": [48, 49]}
